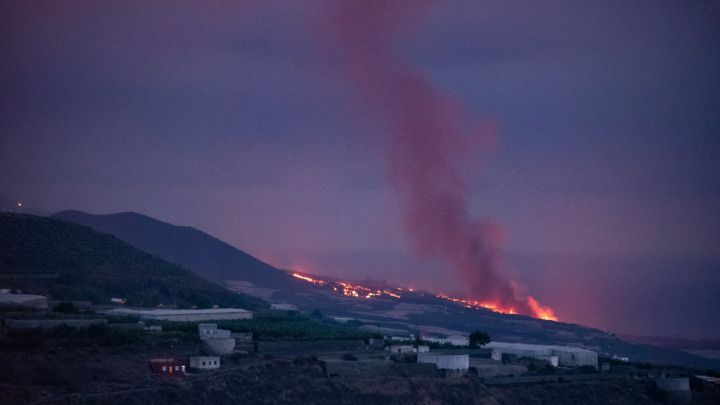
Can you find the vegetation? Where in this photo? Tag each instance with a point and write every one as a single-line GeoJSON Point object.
{"type": "Point", "coordinates": [72, 262]}
{"type": "Point", "coordinates": [66, 336]}
{"type": "Point", "coordinates": [273, 325]}
{"type": "Point", "coordinates": [67, 308]}
{"type": "Point", "coordinates": [478, 338]}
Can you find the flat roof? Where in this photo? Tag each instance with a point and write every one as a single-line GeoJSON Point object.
{"type": "Point", "coordinates": [15, 298]}
{"type": "Point", "coordinates": [529, 346]}
{"type": "Point", "coordinates": [213, 311]}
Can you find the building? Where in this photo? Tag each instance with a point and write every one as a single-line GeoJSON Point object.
{"type": "Point", "coordinates": [422, 349]}
{"type": "Point", "coordinates": [450, 340]}
{"type": "Point", "coordinates": [205, 362]}
{"type": "Point", "coordinates": [183, 315]}
{"type": "Point", "coordinates": [216, 341]}
{"type": "Point", "coordinates": [24, 300]}
{"type": "Point", "coordinates": [556, 355]}
{"type": "Point", "coordinates": [450, 362]}
{"type": "Point", "coordinates": [210, 330]}
{"type": "Point", "coordinates": [401, 349]}
{"type": "Point", "coordinates": [167, 367]}
{"type": "Point", "coordinates": [283, 307]}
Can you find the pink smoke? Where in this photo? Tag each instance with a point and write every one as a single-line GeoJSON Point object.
{"type": "Point", "coordinates": [427, 138]}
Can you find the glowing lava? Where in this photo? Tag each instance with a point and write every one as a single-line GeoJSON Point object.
{"type": "Point", "coordinates": [540, 311]}
{"type": "Point", "coordinates": [359, 291]}
{"type": "Point", "coordinates": [309, 279]}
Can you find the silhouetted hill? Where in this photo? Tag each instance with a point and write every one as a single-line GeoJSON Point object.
{"type": "Point", "coordinates": [415, 311]}
{"type": "Point", "coordinates": [69, 261]}
{"type": "Point", "coordinates": [186, 246]}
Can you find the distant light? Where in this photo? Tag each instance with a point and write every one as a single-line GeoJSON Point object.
{"type": "Point", "coordinates": [19, 204]}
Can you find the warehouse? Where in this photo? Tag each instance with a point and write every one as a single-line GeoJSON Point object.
{"type": "Point", "coordinates": [184, 315]}
{"type": "Point", "coordinates": [556, 355]}
{"type": "Point", "coordinates": [24, 300]}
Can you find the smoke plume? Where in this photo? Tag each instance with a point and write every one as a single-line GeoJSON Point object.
{"type": "Point", "coordinates": [427, 137]}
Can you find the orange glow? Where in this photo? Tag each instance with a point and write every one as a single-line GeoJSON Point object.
{"type": "Point", "coordinates": [540, 311]}
{"type": "Point", "coordinates": [359, 291]}
{"type": "Point", "coordinates": [309, 279]}
{"type": "Point", "coordinates": [349, 290]}
{"type": "Point", "coordinates": [477, 304]}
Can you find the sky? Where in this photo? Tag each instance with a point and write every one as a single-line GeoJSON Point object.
{"type": "Point", "coordinates": [236, 118]}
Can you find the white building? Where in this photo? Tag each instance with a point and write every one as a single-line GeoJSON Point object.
{"type": "Point", "coordinates": [210, 330]}
{"type": "Point", "coordinates": [555, 355]}
{"type": "Point", "coordinates": [184, 315]}
{"type": "Point", "coordinates": [217, 341]}
{"type": "Point", "coordinates": [401, 349]}
{"type": "Point", "coordinates": [205, 362]}
{"type": "Point", "coordinates": [24, 300]}
{"type": "Point", "coordinates": [422, 349]}
{"type": "Point", "coordinates": [453, 362]}
{"type": "Point", "coordinates": [451, 340]}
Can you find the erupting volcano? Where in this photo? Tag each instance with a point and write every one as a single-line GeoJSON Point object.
{"type": "Point", "coordinates": [427, 138]}
{"type": "Point", "coordinates": [359, 291]}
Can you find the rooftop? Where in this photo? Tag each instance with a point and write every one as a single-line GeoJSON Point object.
{"type": "Point", "coordinates": [528, 346]}
{"type": "Point", "coordinates": [131, 311]}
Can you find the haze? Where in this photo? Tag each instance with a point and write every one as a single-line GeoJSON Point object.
{"type": "Point", "coordinates": [236, 119]}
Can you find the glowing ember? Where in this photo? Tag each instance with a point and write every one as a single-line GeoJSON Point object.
{"type": "Point", "coordinates": [540, 311]}
{"type": "Point", "coordinates": [477, 304]}
{"type": "Point", "coordinates": [359, 291]}
{"type": "Point", "coordinates": [309, 279]}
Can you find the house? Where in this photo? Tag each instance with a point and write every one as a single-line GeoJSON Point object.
{"type": "Point", "coordinates": [210, 330]}
{"type": "Point", "coordinates": [401, 349]}
{"type": "Point", "coordinates": [204, 362]}
{"type": "Point", "coordinates": [168, 367]}
{"type": "Point", "coordinates": [422, 349]}
{"type": "Point", "coordinates": [216, 341]}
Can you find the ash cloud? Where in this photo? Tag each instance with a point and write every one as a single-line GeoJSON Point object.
{"type": "Point", "coordinates": [427, 140]}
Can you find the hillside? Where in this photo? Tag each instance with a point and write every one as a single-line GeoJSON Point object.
{"type": "Point", "coordinates": [187, 247]}
{"type": "Point", "coordinates": [421, 311]}
{"type": "Point", "coordinates": [69, 261]}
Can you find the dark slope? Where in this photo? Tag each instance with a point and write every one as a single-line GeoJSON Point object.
{"type": "Point", "coordinates": [70, 261]}
{"type": "Point", "coordinates": [186, 246]}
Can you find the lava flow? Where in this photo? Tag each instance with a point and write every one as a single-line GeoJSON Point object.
{"type": "Point", "coordinates": [350, 290]}
{"type": "Point", "coordinates": [359, 291]}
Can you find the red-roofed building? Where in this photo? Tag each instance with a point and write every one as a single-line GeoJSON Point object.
{"type": "Point", "coordinates": [167, 367]}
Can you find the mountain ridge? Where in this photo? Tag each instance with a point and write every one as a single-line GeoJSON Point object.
{"type": "Point", "coordinates": [189, 247]}
{"type": "Point", "coordinates": [419, 311]}
{"type": "Point", "coordinates": [89, 265]}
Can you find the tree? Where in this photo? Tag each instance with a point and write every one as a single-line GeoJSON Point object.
{"type": "Point", "coordinates": [479, 338]}
{"type": "Point", "coordinates": [66, 307]}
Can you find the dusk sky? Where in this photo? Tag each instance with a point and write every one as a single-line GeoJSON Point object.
{"type": "Point", "coordinates": [236, 118]}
